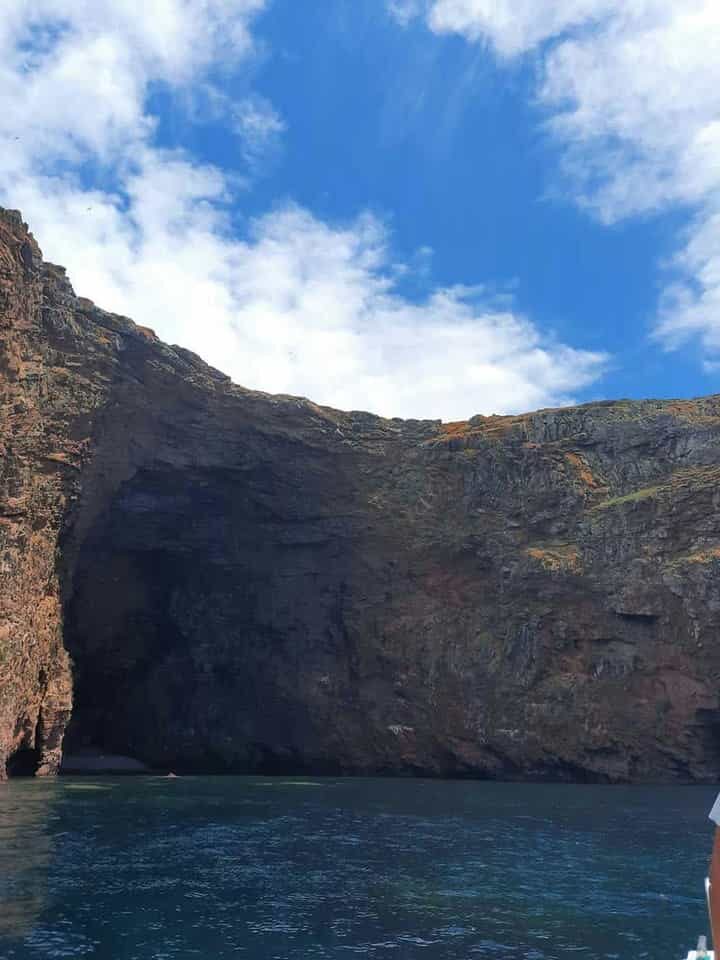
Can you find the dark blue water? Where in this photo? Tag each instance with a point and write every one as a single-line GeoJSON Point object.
{"type": "Point", "coordinates": [213, 868]}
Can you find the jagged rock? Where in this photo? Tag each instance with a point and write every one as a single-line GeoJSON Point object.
{"type": "Point", "coordinates": [256, 583]}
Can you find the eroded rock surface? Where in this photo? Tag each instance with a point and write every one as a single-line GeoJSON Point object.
{"type": "Point", "coordinates": [256, 583]}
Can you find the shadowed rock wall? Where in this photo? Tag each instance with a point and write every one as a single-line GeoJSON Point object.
{"type": "Point", "coordinates": [247, 582]}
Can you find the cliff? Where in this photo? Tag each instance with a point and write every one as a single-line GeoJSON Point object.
{"type": "Point", "coordinates": [209, 578]}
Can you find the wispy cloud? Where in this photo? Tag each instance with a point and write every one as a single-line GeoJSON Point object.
{"type": "Point", "coordinates": [634, 90]}
{"type": "Point", "coordinates": [294, 304]}
{"type": "Point", "coordinates": [405, 10]}
{"type": "Point", "coordinates": [260, 129]}
{"type": "Point", "coordinates": [511, 26]}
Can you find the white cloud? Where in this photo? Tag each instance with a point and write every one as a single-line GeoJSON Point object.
{"type": "Point", "coordinates": [260, 129]}
{"type": "Point", "coordinates": [296, 305]}
{"type": "Point", "coordinates": [514, 26]}
{"type": "Point", "coordinates": [643, 117]}
{"type": "Point", "coordinates": [634, 86]}
{"type": "Point", "coordinates": [75, 73]}
{"type": "Point", "coordinates": [405, 10]}
{"type": "Point", "coordinates": [643, 95]}
{"type": "Point", "coordinates": [691, 307]}
{"type": "Point", "coordinates": [299, 306]}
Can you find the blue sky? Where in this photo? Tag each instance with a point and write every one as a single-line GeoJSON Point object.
{"type": "Point", "coordinates": [419, 207]}
{"type": "Point", "coordinates": [448, 145]}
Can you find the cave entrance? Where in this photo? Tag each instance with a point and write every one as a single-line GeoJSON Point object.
{"type": "Point", "coordinates": [156, 611]}
{"type": "Point", "coordinates": [23, 763]}
{"type": "Point", "coordinates": [120, 633]}
{"type": "Point", "coordinates": [182, 651]}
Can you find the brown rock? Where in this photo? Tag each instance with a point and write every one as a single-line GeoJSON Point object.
{"type": "Point", "coordinates": [256, 583]}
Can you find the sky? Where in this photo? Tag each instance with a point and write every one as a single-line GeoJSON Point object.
{"type": "Point", "coordinates": [420, 208]}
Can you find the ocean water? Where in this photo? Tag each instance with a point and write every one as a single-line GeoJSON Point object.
{"type": "Point", "coordinates": [154, 869]}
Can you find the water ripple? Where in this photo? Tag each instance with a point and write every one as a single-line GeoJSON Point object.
{"type": "Point", "coordinates": [215, 868]}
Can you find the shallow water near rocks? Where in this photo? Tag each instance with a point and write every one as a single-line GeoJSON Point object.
{"type": "Point", "coordinates": [212, 868]}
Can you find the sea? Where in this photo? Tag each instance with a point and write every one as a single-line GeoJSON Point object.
{"type": "Point", "coordinates": [208, 868]}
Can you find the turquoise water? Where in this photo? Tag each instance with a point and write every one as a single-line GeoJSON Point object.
{"type": "Point", "coordinates": [212, 868]}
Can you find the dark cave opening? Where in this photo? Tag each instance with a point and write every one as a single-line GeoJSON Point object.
{"type": "Point", "coordinates": [24, 762]}
{"type": "Point", "coordinates": [118, 628]}
{"type": "Point", "coordinates": [169, 622]}
{"type": "Point", "coordinates": [125, 615]}
{"type": "Point", "coordinates": [644, 618]}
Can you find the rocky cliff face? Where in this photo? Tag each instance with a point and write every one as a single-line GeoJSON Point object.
{"type": "Point", "coordinates": [209, 578]}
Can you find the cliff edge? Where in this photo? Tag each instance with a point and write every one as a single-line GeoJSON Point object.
{"type": "Point", "coordinates": [209, 578]}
